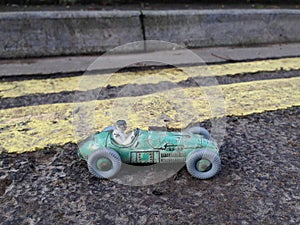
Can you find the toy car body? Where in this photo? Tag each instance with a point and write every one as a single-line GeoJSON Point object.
{"type": "Point", "coordinates": [192, 146]}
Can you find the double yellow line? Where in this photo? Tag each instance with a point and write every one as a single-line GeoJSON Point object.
{"type": "Point", "coordinates": [20, 88]}
{"type": "Point", "coordinates": [35, 127]}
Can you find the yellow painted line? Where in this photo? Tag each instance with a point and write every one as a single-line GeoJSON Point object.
{"type": "Point", "coordinates": [20, 88]}
{"type": "Point", "coordinates": [35, 127]}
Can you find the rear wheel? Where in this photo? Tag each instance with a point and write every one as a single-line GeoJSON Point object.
{"type": "Point", "coordinates": [104, 163]}
{"type": "Point", "coordinates": [200, 130]}
{"type": "Point", "coordinates": [203, 163]}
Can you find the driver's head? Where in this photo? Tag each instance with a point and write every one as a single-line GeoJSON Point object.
{"type": "Point", "coordinates": [121, 125]}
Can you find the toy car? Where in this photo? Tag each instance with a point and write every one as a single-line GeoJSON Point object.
{"type": "Point", "coordinates": [105, 151]}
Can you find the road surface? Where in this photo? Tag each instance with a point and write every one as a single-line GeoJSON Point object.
{"type": "Point", "coordinates": [252, 109]}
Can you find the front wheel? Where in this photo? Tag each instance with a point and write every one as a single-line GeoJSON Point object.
{"type": "Point", "coordinates": [104, 163]}
{"type": "Point", "coordinates": [203, 163]}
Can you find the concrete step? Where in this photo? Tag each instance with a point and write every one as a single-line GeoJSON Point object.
{"type": "Point", "coordinates": [58, 33]}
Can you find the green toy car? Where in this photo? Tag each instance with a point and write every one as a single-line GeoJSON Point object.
{"type": "Point", "coordinates": [106, 150]}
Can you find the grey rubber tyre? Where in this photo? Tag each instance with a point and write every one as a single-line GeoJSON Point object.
{"type": "Point", "coordinates": [200, 130]}
{"type": "Point", "coordinates": [203, 154]}
{"type": "Point", "coordinates": [107, 155]}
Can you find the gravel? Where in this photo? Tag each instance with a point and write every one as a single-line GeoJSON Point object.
{"type": "Point", "coordinates": [259, 183]}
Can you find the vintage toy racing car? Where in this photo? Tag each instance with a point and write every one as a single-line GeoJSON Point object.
{"type": "Point", "coordinates": [106, 150]}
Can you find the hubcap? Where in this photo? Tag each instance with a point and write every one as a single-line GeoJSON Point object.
{"type": "Point", "coordinates": [203, 165]}
{"type": "Point", "coordinates": [104, 164]}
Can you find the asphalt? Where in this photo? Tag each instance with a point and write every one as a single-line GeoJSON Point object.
{"type": "Point", "coordinates": [258, 184]}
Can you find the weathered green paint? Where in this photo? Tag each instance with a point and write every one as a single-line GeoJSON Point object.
{"type": "Point", "coordinates": [149, 146]}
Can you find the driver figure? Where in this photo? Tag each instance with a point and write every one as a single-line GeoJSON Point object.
{"type": "Point", "coordinates": [119, 134]}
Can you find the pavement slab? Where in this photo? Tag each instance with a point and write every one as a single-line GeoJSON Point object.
{"type": "Point", "coordinates": [51, 66]}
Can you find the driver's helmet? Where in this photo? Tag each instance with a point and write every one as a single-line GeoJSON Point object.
{"type": "Point", "coordinates": [121, 125]}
